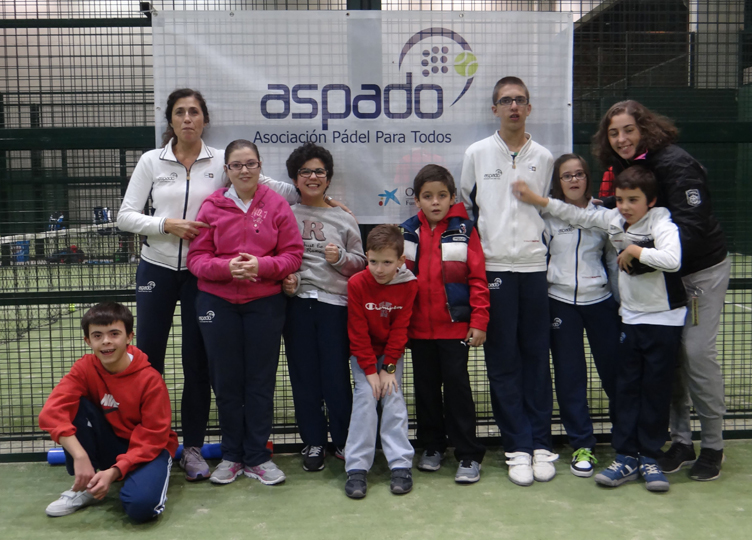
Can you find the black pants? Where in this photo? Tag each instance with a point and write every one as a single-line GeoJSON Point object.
{"type": "Point", "coordinates": [158, 290]}
{"type": "Point", "coordinates": [318, 359]}
{"type": "Point", "coordinates": [437, 362]}
{"type": "Point", "coordinates": [243, 342]}
{"type": "Point", "coordinates": [643, 388]}
{"type": "Point", "coordinates": [601, 321]}
{"type": "Point", "coordinates": [517, 359]}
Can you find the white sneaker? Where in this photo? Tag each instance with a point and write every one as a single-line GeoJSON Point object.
{"type": "Point", "coordinates": [543, 465]}
{"type": "Point", "coordinates": [69, 502]}
{"type": "Point", "coordinates": [520, 469]}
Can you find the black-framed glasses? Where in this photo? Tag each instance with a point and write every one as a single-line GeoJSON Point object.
{"type": "Point", "coordinates": [237, 166]}
{"type": "Point", "coordinates": [507, 101]}
{"type": "Point", "coordinates": [307, 173]}
{"type": "Point", "coordinates": [579, 175]}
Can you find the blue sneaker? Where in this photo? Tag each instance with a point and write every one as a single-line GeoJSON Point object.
{"type": "Point", "coordinates": [655, 480]}
{"type": "Point", "coordinates": [623, 469]}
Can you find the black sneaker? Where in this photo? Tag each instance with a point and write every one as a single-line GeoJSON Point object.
{"type": "Point", "coordinates": [708, 465]}
{"type": "Point", "coordinates": [676, 457]}
{"type": "Point", "coordinates": [356, 485]}
{"type": "Point", "coordinates": [314, 458]}
{"type": "Point", "coordinates": [402, 481]}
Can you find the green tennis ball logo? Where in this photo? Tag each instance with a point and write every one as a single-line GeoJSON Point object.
{"type": "Point", "coordinates": [466, 64]}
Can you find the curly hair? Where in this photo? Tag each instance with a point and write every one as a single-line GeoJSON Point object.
{"type": "Point", "coordinates": [557, 192]}
{"type": "Point", "coordinates": [656, 131]}
{"type": "Point", "coordinates": [308, 152]}
{"type": "Point", "coordinates": [181, 93]}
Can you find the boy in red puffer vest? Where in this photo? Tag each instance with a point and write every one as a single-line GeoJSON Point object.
{"type": "Point", "coordinates": [451, 314]}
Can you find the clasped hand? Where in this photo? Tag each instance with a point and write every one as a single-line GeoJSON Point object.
{"type": "Point", "coordinates": [244, 266]}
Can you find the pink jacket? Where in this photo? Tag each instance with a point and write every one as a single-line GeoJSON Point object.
{"type": "Point", "coordinates": [268, 230]}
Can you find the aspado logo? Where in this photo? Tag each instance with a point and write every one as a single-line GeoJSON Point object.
{"type": "Point", "coordinates": [425, 100]}
{"type": "Point", "coordinates": [206, 318]}
{"type": "Point", "coordinates": [147, 288]}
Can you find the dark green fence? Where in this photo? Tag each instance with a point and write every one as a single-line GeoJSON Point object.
{"type": "Point", "coordinates": [76, 112]}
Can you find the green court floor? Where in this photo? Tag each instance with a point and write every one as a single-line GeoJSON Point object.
{"type": "Point", "coordinates": [314, 506]}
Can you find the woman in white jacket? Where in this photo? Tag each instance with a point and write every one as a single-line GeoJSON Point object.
{"type": "Point", "coordinates": [581, 271]}
{"type": "Point", "coordinates": [177, 178]}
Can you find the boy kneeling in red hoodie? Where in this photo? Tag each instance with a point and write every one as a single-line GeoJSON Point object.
{"type": "Point", "coordinates": [111, 414]}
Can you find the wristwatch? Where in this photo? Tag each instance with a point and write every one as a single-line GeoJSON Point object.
{"type": "Point", "coordinates": [389, 368]}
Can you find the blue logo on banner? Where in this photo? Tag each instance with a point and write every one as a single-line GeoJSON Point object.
{"type": "Point", "coordinates": [369, 105]}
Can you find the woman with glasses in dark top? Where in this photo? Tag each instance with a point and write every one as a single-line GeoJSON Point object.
{"type": "Point", "coordinates": [631, 134]}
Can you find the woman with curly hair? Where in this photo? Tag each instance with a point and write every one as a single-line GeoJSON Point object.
{"type": "Point", "coordinates": [629, 134]}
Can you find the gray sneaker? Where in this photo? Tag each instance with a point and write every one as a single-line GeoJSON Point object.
{"type": "Point", "coordinates": [226, 472]}
{"type": "Point", "coordinates": [468, 472]}
{"type": "Point", "coordinates": [430, 460]}
{"type": "Point", "coordinates": [193, 464]}
{"type": "Point", "coordinates": [69, 502]}
{"type": "Point", "coordinates": [266, 473]}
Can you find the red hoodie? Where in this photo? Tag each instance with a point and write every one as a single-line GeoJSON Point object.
{"type": "Point", "coordinates": [268, 231]}
{"type": "Point", "coordinates": [378, 316]}
{"type": "Point", "coordinates": [135, 402]}
{"type": "Point", "coordinates": [431, 318]}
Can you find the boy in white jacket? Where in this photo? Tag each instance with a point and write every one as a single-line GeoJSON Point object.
{"type": "Point", "coordinates": [653, 310]}
{"type": "Point", "coordinates": [511, 233]}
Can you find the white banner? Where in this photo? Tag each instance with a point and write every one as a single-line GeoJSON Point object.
{"type": "Point", "coordinates": [385, 92]}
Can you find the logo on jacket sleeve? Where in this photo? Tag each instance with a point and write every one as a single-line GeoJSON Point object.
{"type": "Point", "coordinates": [109, 404]}
{"type": "Point", "coordinates": [206, 318]}
{"type": "Point", "coordinates": [146, 288]}
{"type": "Point", "coordinates": [693, 197]}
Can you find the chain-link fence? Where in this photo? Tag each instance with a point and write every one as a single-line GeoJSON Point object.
{"type": "Point", "coordinates": [77, 111]}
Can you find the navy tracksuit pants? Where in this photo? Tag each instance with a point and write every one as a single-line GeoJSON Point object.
{"type": "Point", "coordinates": [318, 360]}
{"type": "Point", "coordinates": [643, 388]}
{"type": "Point", "coordinates": [243, 342]}
{"type": "Point", "coordinates": [144, 490]}
{"type": "Point", "coordinates": [517, 359]}
{"type": "Point", "coordinates": [158, 290]}
{"type": "Point", "coordinates": [602, 323]}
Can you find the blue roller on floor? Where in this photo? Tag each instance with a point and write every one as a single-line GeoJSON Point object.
{"type": "Point", "coordinates": [56, 456]}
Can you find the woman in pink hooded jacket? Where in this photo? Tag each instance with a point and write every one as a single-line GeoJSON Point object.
{"type": "Point", "coordinates": [252, 243]}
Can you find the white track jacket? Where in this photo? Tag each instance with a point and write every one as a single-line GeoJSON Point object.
{"type": "Point", "coordinates": [649, 292]}
{"type": "Point", "coordinates": [511, 232]}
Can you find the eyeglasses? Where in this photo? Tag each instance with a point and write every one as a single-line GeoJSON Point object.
{"type": "Point", "coordinates": [579, 175]}
{"type": "Point", "coordinates": [237, 166]}
{"type": "Point", "coordinates": [507, 101]}
{"type": "Point", "coordinates": [307, 173]}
